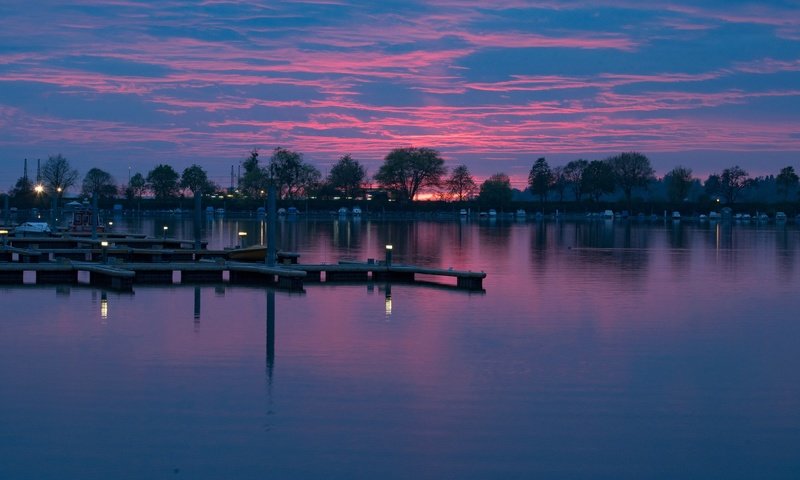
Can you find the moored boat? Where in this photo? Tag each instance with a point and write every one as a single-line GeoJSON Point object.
{"type": "Point", "coordinates": [28, 228]}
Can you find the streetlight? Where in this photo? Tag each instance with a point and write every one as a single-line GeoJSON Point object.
{"type": "Point", "coordinates": [242, 238]}
{"type": "Point", "coordinates": [4, 234]}
{"type": "Point", "coordinates": [104, 247]}
{"type": "Point", "coordinates": [165, 231]}
{"type": "Point", "coordinates": [388, 255]}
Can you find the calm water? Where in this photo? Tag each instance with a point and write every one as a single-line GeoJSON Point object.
{"type": "Point", "coordinates": [597, 350]}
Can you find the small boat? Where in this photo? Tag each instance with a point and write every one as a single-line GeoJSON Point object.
{"type": "Point", "coordinates": [608, 214]}
{"type": "Point", "coordinates": [356, 211]}
{"type": "Point", "coordinates": [780, 217]}
{"type": "Point", "coordinates": [209, 210]}
{"type": "Point", "coordinates": [281, 211]}
{"type": "Point", "coordinates": [521, 213]}
{"type": "Point", "coordinates": [342, 211]}
{"type": "Point", "coordinates": [676, 215]}
{"type": "Point", "coordinates": [32, 227]}
{"type": "Point", "coordinates": [713, 216]}
{"type": "Point", "coordinates": [261, 211]}
{"type": "Point", "coordinates": [292, 211]}
{"type": "Point", "coordinates": [220, 211]}
{"type": "Point", "coordinates": [463, 212]}
{"type": "Point", "coordinates": [84, 220]}
{"type": "Point", "coordinates": [492, 212]}
{"type": "Point", "coordinates": [256, 253]}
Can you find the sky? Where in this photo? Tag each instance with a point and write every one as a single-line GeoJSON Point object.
{"type": "Point", "coordinates": [125, 85]}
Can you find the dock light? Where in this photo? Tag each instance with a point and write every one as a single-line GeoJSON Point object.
{"type": "Point", "coordinates": [242, 238]}
{"type": "Point", "coordinates": [388, 255]}
{"type": "Point", "coordinates": [165, 231]}
{"type": "Point", "coordinates": [104, 247]}
{"type": "Point", "coordinates": [39, 188]}
{"type": "Point", "coordinates": [4, 234]}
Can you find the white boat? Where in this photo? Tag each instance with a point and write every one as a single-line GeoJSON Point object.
{"type": "Point", "coordinates": [676, 215]}
{"type": "Point", "coordinates": [220, 211]}
{"type": "Point", "coordinates": [356, 211]}
{"type": "Point", "coordinates": [521, 213]}
{"type": "Point", "coordinates": [32, 227]}
{"type": "Point", "coordinates": [713, 216]}
{"type": "Point", "coordinates": [281, 211]}
{"type": "Point", "coordinates": [780, 217]}
{"type": "Point", "coordinates": [608, 214]}
{"type": "Point", "coordinates": [703, 217]}
{"type": "Point", "coordinates": [492, 212]}
{"type": "Point", "coordinates": [463, 212]}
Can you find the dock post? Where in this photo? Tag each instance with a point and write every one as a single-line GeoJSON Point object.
{"type": "Point", "coordinates": [197, 205]}
{"type": "Point", "coordinates": [272, 213]}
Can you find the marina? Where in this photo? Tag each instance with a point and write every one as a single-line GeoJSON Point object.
{"type": "Point", "coordinates": [119, 262]}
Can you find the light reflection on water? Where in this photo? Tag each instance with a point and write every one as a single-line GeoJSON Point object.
{"type": "Point", "coordinates": [597, 351]}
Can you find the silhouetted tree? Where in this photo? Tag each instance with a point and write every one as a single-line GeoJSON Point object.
{"type": "Point", "coordinates": [786, 181]}
{"type": "Point", "coordinates": [100, 182]}
{"type": "Point", "coordinates": [496, 191]}
{"type": "Point", "coordinates": [460, 184]}
{"type": "Point", "coordinates": [540, 179]}
{"type": "Point", "coordinates": [290, 174]}
{"type": "Point", "coordinates": [598, 179]}
{"type": "Point", "coordinates": [195, 179]}
{"type": "Point", "coordinates": [22, 192]}
{"type": "Point", "coordinates": [678, 182]}
{"type": "Point", "coordinates": [408, 170]}
{"type": "Point", "coordinates": [573, 174]}
{"type": "Point", "coordinates": [631, 170]}
{"type": "Point", "coordinates": [58, 175]}
{"type": "Point", "coordinates": [560, 182]}
{"type": "Point", "coordinates": [163, 182]}
{"type": "Point", "coordinates": [732, 181]}
{"type": "Point", "coordinates": [346, 177]}
{"type": "Point", "coordinates": [136, 188]}
{"type": "Point", "coordinates": [254, 180]}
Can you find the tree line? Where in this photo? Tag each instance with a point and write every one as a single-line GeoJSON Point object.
{"type": "Point", "coordinates": [405, 174]}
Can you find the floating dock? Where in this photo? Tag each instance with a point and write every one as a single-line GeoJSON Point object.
{"type": "Point", "coordinates": [121, 266]}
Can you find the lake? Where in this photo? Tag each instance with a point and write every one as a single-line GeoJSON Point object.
{"type": "Point", "coordinates": [597, 350]}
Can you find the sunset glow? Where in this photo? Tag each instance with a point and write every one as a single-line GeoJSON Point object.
{"type": "Point", "coordinates": [495, 85]}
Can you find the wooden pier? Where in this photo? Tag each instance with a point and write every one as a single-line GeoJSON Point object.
{"type": "Point", "coordinates": [120, 267]}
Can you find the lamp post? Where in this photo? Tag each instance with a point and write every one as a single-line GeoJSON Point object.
{"type": "Point", "coordinates": [4, 234]}
{"type": "Point", "coordinates": [242, 238]}
{"type": "Point", "coordinates": [104, 248]}
{"type": "Point", "coordinates": [388, 255]}
{"type": "Point", "coordinates": [165, 231]}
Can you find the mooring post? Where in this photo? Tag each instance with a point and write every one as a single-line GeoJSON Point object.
{"type": "Point", "coordinates": [197, 205]}
{"type": "Point", "coordinates": [389, 255]}
{"type": "Point", "coordinates": [272, 214]}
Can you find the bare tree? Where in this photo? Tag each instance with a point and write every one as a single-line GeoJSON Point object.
{"type": "Point", "coordinates": [461, 185]}
{"type": "Point", "coordinates": [58, 175]}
